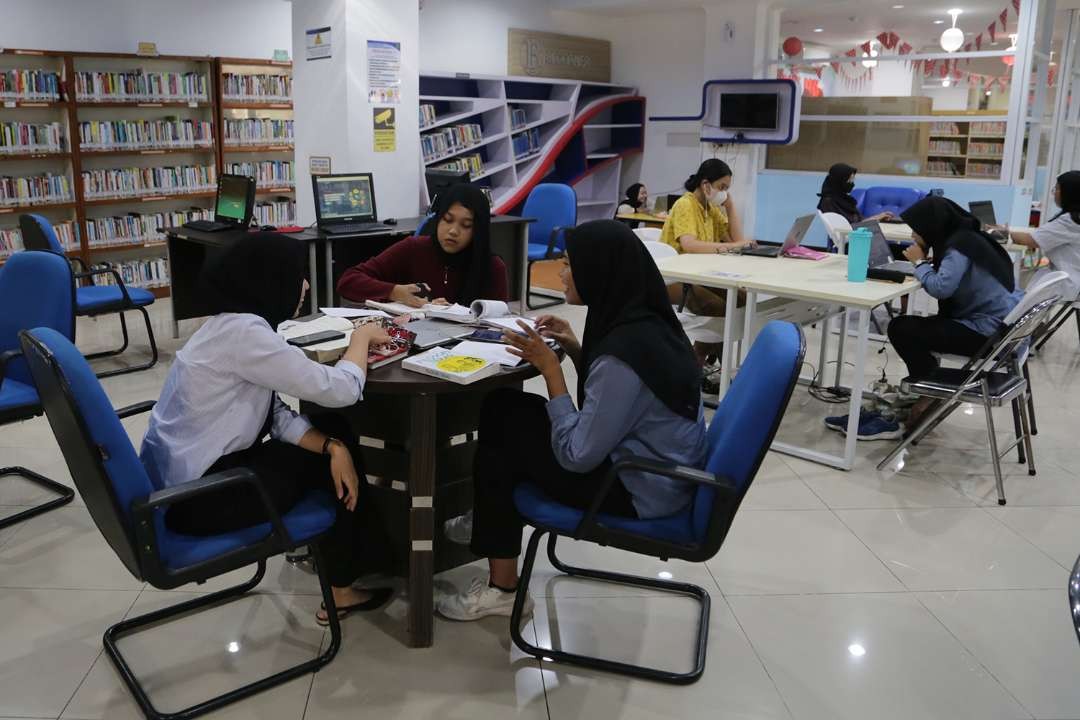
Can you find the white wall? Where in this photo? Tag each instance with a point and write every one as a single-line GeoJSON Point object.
{"type": "Point", "coordinates": [891, 79]}
{"type": "Point", "coordinates": [954, 97]}
{"type": "Point", "coordinates": [237, 28]}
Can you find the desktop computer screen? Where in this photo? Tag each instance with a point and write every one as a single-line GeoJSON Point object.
{"type": "Point", "coordinates": [233, 199]}
{"type": "Point", "coordinates": [344, 197]}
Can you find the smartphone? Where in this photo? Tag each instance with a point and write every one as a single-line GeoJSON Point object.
{"type": "Point", "coordinates": [316, 338]}
{"type": "Point", "coordinates": [488, 336]}
{"type": "Point", "coordinates": [425, 290]}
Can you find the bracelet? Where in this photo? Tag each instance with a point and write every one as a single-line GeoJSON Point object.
{"type": "Point", "coordinates": [326, 445]}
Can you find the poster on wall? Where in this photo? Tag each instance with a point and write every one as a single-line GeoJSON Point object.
{"type": "Point", "coordinates": [385, 125]}
{"type": "Point", "coordinates": [384, 71]}
{"type": "Point", "coordinates": [544, 54]}
{"type": "Point", "coordinates": [317, 43]}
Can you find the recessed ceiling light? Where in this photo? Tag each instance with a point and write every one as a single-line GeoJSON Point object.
{"type": "Point", "coordinates": [939, 22]}
{"type": "Point", "coordinates": [819, 29]}
{"type": "Point", "coordinates": [897, 7]}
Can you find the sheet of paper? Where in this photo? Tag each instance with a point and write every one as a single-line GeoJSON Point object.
{"type": "Point", "coordinates": [492, 352]}
{"type": "Point", "coordinates": [340, 312]}
{"type": "Point", "coordinates": [510, 323]}
{"type": "Point", "coordinates": [292, 329]}
{"type": "Point", "coordinates": [455, 309]}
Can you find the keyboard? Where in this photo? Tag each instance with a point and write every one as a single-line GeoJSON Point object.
{"type": "Point", "coordinates": [762, 251]}
{"type": "Point", "coordinates": [352, 228]}
{"type": "Point", "coordinates": [209, 226]}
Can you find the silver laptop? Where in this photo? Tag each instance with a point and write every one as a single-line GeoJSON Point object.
{"type": "Point", "coordinates": [881, 257]}
{"type": "Point", "coordinates": [430, 333]}
{"type": "Point", "coordinates": [795, 235]}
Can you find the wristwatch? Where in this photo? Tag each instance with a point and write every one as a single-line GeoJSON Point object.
{"type": "Point", "coordinates": [327, 442]}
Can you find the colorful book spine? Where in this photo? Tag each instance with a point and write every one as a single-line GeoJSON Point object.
{"type": "Point", "coordinates": [31, 85]}
{"type": "Point", "coordinates": [47, 189]}
{"type": "Point", "coordinates": [518, 119]}
{"type": "Point", "coordinates": [165, 134]}
{"type": "Point", "coordinates": [447, 141]}
{"type": "Point", "coordinates": [141, 86]}
{"type": "Point", "coordinates": [281, 211]}
{"type": "Point", "coordinates": [474, 164]}
{"type": "Point", "coordinates": [258, 131]}
{"type": "Point", "coordinates": [267, 173]}
{"type": "Point", "coordinates": [22, 138]}
{"type": "Point", "coordinates": [135, 182]}
{"type": "Point", "coordinates": [527, 143]}
{"type": "Point", "coordinates": [238, 87]}
{"type": "Point", "coordinates": [144, 272]}
{"type": "Point", "coordinates": [11, 238]}
{"type": "Point", "coordinates": [427, 116]}
{"type": "Point", "coordinates": [138, 228]}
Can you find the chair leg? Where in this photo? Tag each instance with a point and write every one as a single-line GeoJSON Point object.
{"type": "Point", "coordinates": [133, 625]}
{"type": "Point", "coordinates": [1055, 324]}
{"type": "Point", "coordinates": [929, 421]}
{"type": "Point", "coordinates": [118, 351]}
{"type": "Point", "coordinates": [600, 663]}
{"type": "Point", "coordinates": [142, 366]}
{"type": "Point", "coordinates": [65, 494]}
{"type": "Point", "coordinates": [1026, 423]}
{"type": "Point", "coordinates": [991, 435]}
{"type": "Point", "coordinates": [1030, 396]}
{"type": "Point", "coordinates": [1020, 458]}
{"type": "Point", "coordinates": [529, 293]}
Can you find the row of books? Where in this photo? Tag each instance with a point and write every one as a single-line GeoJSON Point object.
{"type": "Point", "coordinates": [944, 167]}
{"type": "Point", "coordinates": [256, 88]}
{"type": "Point", "coordinates": [30, 85]}
{"type": "Point", "coordinates": [137, 182]}
{"type": "Point", "coordinates": [518, 118]}
{"type": "Point", "coordinates": [258, 131]}
{"type": "Point", "coordinates": [140, 85]}
{"type": "Point", "coordinates": [267, 173]}
{"type": "Point", "coordinates": [20, 138]}
{"type": "Point", "coordinates": [427, 116]}
{"type": "Point", "coordinates": [986, 148]}
{"type": "Point", "coordinates": [946, 147]}
{"type": "Point", "coordinates": [945, 128]}
{"type": "Point", "coordinates": [989, 169]}
{"type": "Point", "coordinates": [11, 238]}
{"type": "Point", "coordinates": [474, 164]}
{"type": "Point", "coordinates": [280, 211]}
{"type": "Point", "coordinates": [136, 228]}
{"type": "Point", "coordinates": [144, 272]}
{"type": "Point", "coordinates": [449, 140]}
{"type": "Point", "coordinates": [527, 143]}
{"type": "Point", "coordinates": [170, 132]}
{"type": "Point", "coordinates": [988, 128]}
{"type": "Point", "coordinates": [44, 189]}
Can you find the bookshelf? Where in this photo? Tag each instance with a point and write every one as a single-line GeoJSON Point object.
{"type": "Point", "coordinates": [966, 149]}
{"type": "Point", "coordinates": [512, 133]}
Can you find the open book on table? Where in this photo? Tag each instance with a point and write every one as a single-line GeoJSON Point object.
{"type": "Point", "coordinates": [332, 350]}
{"type": "Point", "coordinates": [488, 312]}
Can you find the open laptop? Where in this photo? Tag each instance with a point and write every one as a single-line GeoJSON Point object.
{"type": "Point", "coordinates": [795, 235]}
{"type": "Point", "coordinates": [233, 206]}
{"type": "Point", "coordinates": [881, 257]}
{"type": "Point", "coordinates": [983, 210]}
{"type": "Point", "coordinates": [345, 204]}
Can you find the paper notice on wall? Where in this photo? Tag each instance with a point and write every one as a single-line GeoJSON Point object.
{"type": "Point", "coordinates": [384, 71]}
{"type": "Point", "coordinates": [385, 126]}
{"type": "Point", "coordinates": [317, 45]}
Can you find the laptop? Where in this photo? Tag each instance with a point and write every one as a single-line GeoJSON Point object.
{"type": "Point", "coordinates": [345, 204]}
{"type": "Point", "coordinates": [881, 257]}
{"type": "Point", "coordinates": [233, 206]}
{"type": "Point", "coordinates": [795, 235]}
{"type": "Point", "coordinates": [983, 210]}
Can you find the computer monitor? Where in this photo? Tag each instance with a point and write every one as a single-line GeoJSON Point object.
{"type": "Point", "coordinates": [235, 200]}
{"type": "Point", "coordinates": [439, 180]}
{"type": "Point", "coordinates": [983, 210]}
{"type": "Point", "coordinates": [341, 199]}
{"type": "Point", "coordinates": [750, 111]}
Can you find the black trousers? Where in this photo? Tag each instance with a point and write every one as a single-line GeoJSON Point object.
{"type": "Point", "coordinates": [356, 545]}
{"type": "Point", "coordinates": [515, 447]}
{"type": "Point", "coordinates": [916, 338]}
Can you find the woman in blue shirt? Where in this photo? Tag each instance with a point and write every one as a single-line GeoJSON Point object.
{"type": "Point", "coordinates": [637, 395]}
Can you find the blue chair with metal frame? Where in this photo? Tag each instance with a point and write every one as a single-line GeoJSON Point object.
{"type": "Point", "coordinates": [36, 290]}
{"type": "Point", "coordinates": [94, 300]}
{"type": "Point", "coordinates": [129, 511]}
{"type": "Point", "coordinates": [553, 206]}
{"type": "Point", "coordinates": [739, 437]}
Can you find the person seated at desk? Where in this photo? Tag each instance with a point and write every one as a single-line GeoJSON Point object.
{"type": "Point", "coordinates": [636, 201]}
{"type": "Point", "coordinates": [970, 275]}
{"type": "Point", "coordinates": [1059, 239]}
{"type": "Point", "coordinates": [836, 195]}
{"type": "Point", "coordinates": [457, 263]}
{"type": "Point", "coordinates": [220, 401]}
{"type": "Point", "coordinates": [637, 394]}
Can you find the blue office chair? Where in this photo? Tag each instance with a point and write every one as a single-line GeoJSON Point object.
{"type": "Point", "coordinates": [858, 194]}
{"type": "Point", "coordinates": [129, 511]}
{"type": "Point", "coordinates": [94, 300]}
{"type": "Point", "coordinates": [36, 290]}
{"type": "Point", "coordinates": [554, 207]}
{"type": "Point", "coordinates": [740, 434]}
{"type": "Point", "coordinates": [896, 200]}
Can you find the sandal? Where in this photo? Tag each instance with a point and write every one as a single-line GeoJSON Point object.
{"type": "Point", "coordinates": [379, 597]}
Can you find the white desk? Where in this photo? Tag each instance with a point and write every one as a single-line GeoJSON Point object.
{"type": "Point", "coordinates": [820, 281]}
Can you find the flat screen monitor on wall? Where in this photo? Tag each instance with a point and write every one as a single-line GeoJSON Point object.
{"type": "Point", "coordinates": [749, 111]}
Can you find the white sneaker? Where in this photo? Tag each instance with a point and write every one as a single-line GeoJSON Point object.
{"type": "Point", "coordinates": [459, 529]}
{"type": "Point", "coordinates": [480, 601]}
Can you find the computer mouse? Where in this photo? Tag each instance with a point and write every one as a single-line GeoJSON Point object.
{"type": "Point", "coordinates": [390, 221]}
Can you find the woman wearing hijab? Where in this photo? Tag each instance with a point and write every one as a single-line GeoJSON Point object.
{"type": "Point", "coordinates": [220, 401]}
{"type": "Point", "coordinates": [836, 195]}
{"type": "Point", "coordinates": [637, 394]}
{"type": "Point", "coordinates": [453, 259]}
{"type": "Point", "coordinates": [637, 197]}
{"type": "Point", "coordinates": [1059, 239]}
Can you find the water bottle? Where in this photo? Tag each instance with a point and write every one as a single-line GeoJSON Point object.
{"type": "Point", "coordinates": [858, 254]}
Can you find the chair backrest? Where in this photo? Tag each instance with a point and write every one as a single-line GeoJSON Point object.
{"type": "Point", "coordinates": [648, 234]}
{"type": "Point", "coordinates": [837, 226]}
{"type": "Point", "coordinates": [1050, 287]}
{"type": "Point", "coordinates": [896, 200]}
{"type": "Point", "coordinates": [98, 451]}
{"type": "Point", "coordinates": [858, 194]}
{"type": "Point", "coordinates": [745, 423]}
{"type": "Point", "coordinates": [659, 250]}
{"type": "Point", "coordinates": [38, 234]}
{"type": "Point", "coordinates": [36, 290]}
{"type": "Point", "coordinates": [552, 205]}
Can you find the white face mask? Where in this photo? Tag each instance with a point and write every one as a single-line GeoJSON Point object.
{"type": "Point", "coordinates": [719, 197]}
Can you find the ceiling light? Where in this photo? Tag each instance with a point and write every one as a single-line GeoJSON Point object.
{"type": "Point", "coordinates": [987, 93]}
{"type": "Point", "coordinates": [869, 62]}
{"type": "Point", "coordinates": [953, 38]}
{"type": "Point", "coordinates": [946, 82]}
{"type": "Point", "coordinates": [819, 29]}
{"type": "Point", "coordinates": [939, 22]}
{"type": "Point", "coordinates": [856, 650]}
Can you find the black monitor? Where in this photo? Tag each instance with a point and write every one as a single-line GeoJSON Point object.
{"type": "Point", "coordinates": [983, 210]}
{"type": "Point", "coordinates": [750, 111]}
{"type": "Point", "coordinates": [438, 180]}
{"type": "Point", "coordinates": [344, 199]}
{"type": "Point", "coordinates": [235, 200]}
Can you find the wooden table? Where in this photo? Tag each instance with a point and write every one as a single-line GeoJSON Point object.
{"type": "Point", "coordinates": [647, 219]}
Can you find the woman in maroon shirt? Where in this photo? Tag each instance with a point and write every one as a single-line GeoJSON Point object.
{"type": "Point", "coordinates": [457, 264]}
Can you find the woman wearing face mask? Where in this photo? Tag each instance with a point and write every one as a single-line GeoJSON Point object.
{"type": "Point", "coordinates": [836, 195]}
{"type": "Point", "coordinates": [1059, 239]}
{"type": "Point", "coordinates": [220, 401]}
{"type": "Point", "coordinates": [455, 261]}
{"type": "Point", "coordinates": [704, 219]}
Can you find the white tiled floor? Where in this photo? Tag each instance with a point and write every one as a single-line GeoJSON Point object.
{"type": "Point", "coordinates": [836, 595]}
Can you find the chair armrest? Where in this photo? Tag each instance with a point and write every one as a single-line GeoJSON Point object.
{"type": "Point", "coordinates": [107, 271]}
{"type": "Point", "coordinates": [6, 357]}
{"type": "Point", "coordinates": [554, 234]}
{"type": "Point", "coordinates": [78, 261]}
{"type": "Point", "coordinates": [136, 409]}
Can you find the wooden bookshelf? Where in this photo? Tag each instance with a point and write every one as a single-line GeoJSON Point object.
{"type": "Point", "coordinates": [970, 149]}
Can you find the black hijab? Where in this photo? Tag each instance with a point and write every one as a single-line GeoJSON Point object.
{"type": "Point", "coordinates": [945, 226]}
{"type": "Point", "coordinates": [1069, 185]}
{"type": "Point", "coordinates": [631, 196]}
{"type": "Point", "coordinates": [630, 316]}
{"type": "Point", "coordinates": [261, 274]}
{"type": "Point", "coordinates": [474, 261]}
{"type": "Point", "coordinates": [836, 192]}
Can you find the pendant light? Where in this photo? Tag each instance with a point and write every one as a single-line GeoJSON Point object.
{"type": "Point", "coordinates": [953, 38]}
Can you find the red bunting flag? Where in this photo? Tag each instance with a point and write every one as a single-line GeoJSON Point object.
{"type": "Point", "coordinates": [865, 47]}
{"type": "Point", "coordinates": [852, 53]}
{"type": "Point", "coordinates": [928, 67]}
{"type": "Point", "coordinates": [978, 41]}
{"type": "Point", "coordinates": [905, 49]}
{"type": "Point", "coordinates": [1004, 17]}
{"type": "Point", "coordinates": [992, 30]}
{"type": "Point", "coordinates": [888, 39]}
{"type": "Point", "coordinates": [944, 72]}
{"type": "Point", "coordinates": [835, 67]}
{"type": "Point", "coordinates": [1016, 6]}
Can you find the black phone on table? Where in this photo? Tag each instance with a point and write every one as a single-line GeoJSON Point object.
{"type": "Point", "coordinates": [316, 338]}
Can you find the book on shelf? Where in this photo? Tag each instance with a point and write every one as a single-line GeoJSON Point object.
{"type": "Point", "coordinates": [141, 86]}
{"type": "Point", "coordinates": [258, 131]}
{"type": "Point", "coordinates": [518, 118]}
{"type": "Point", "coordinates": [165, 134]}
{"type": "Point", "coordinates": [47, 189]}
{"type": "Point", "coordinates": [30, 85]}
{"type": "Point", "coordinates": [25, 138]}
{"type": "Point", "coordinates": [278, 212]}
{"type": "Point", "coordinates": [138, 228]}
{"type": "Point", "coordinates": [945, 147]}
{"type": "Point", "coordinates": [995, 149]}
{"type": "Point", "coordinates": [267, 173]}
{"type": "Point", "coordinates": [988, 128]}
{"type": "Point", "coordinates": [449, 140]}
{"type": "Point", "coordinates": [449, 365]}
{"type": "Point", "coordinates": [527, 143]}
{"type": "Point", "coordinates": [255, 88]}
{"type": "Point", "coordinates": [11, 238]}
{"type": "Point", "coordinates": [142, 273]}
{"type": "Point", "coordinates": [136, 182]}
{"type": "Point", "coordinates": [427, 116]}
{"type": "Point", "coordinates": [473, 164]}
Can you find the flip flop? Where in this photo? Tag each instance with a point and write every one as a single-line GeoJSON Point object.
{"type": "Point", "coordinates": [379, 597]}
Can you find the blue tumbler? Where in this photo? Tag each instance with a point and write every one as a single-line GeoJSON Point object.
{"type": "Point", "coordinates": [858, 254]}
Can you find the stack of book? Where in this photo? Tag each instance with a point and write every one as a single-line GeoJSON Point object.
{"type": "Point", "coordinates": [11, 238]}
{"type": "Point", "coordinates": [267, 173]}
{"type": "Point", "coordinates": [449, 140]}
{"type": "Point", "coordinates": [474, 164]}
{"type": "Point", "coordinates": [144, 272]}
{"type": "Point", "coordinates": [32, 85]}
{"type": "Point", "coordinates": [527, 143]}
{"type": "Point", "coordinates": [991, 149]}
{"type": "Point", "coordinates": [988, 169]}
{"type": "Point", "coordinates": [427, 116]}
{"type": "Point", "coordinates": [167, 133]}
{"type": "Point", "coordinates": [47, 189]}
{"type": "Point", "coordinates": [945, 147]}
{"type": "Point", "coordinates": [258, 131]}
{"type": "Point", "coordinates": [141, 86]}
{"type": "Point", "coordinates": [135, 182]}
{"type": "Point", "coordinates": [138, 228]}
{"type": "Point", "coordinates": [22, 138]}
{"type": "Point", "coordinates": [280, 211]}
{"type": "Point", "coordinates": [988, 128]}
{"type": "Point", "coordinates": [270, 88]}
{"type": "Point", "coordinates": [518, 118]}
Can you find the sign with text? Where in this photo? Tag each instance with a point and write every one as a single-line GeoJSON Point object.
{"type": "Point", "coordinates": [385, 127]}
{"type": "Point", "coordinates": [543, 54]}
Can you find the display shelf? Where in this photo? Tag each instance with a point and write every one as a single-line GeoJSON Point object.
{"type": "Point", "coordinates": [464, 150]}
{"type": "Point", "coordinates": [149, 198]}
{"type": "Point", "coordinates": [121, 247]}
{"type": "Point", "coordinates": [147, 151]}
{"type": "Point", "coordinates": [143, 103]}
{"type": "Point", "coordinates": [8, 209]}
{"type": "Point", "coordinates": [230, 105]}
{"type": "Point", "coordinates": [257, 148]}
{"type": "Point", "coordinates": [35, 156]}
{"type": "Point", "coordinates": [31, 104]}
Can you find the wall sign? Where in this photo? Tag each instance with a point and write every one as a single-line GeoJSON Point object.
{"type": "Point", "coordinates": [317, 43]}
{"type": "Point", "coordinates": [384, 122]}
{"type": "Point", "coordinates": [384, 71]}
{"type": "Point", "coordinates": [319, 164]}
{"type": "Point", "coordinates": [545, 54]}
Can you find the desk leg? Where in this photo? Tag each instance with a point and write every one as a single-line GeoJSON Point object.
{"type": "Point", "coordinates": [748, 325]}
{"type": "Point", "coordinates": [419, 625]}
{"type": "Point", "coordinates": [727, 356]}
{"type": "Point", "coordinates": [523, 265]}
{"type": "Point", "coordinates": [855, 403]}
{"type": "Point", "coordinates": [313, 279]}
{"type": "Point", "coordinates": [329, 273]}
{"type": "Point", "coordinates": [823, 355]}
{"type": "Point", "coordinates": [840, 347]}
